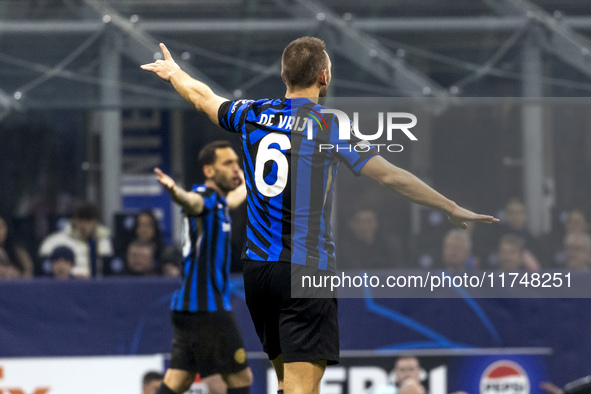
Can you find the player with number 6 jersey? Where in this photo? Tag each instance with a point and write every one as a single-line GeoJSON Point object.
{"type": "Point", "coordinates": [290, 189]}
{"type": "Point", "coordinates": [286, 223]}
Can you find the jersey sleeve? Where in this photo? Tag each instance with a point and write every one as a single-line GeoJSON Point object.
{"type": "Point", "coordinates": [231, 114]}
{"type": "Point", "coordinates": [353, 152]}
{"type": "Point", "coordinates": [209, 198]}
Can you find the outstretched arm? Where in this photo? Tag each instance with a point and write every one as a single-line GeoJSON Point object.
{"type": "Point", "coordinates": [196, 93]}
{"type": "Point", "coordinates": [413, 189]}
{"type": "Point", "coordinates": [191, 202]}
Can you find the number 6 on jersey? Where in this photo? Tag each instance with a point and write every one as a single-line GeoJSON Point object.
{"type": "Point", "coordinates": [265, 154]}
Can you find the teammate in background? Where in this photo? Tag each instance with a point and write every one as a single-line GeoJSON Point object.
{"type": "Point", "coordinates": [206, 338]}
{"type": "Point", "coordinates": [300, 335]}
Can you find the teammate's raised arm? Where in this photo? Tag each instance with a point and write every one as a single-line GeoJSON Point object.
{"type": "Point", "coordinates": [413, 189]}
{"type": "Point", "coordinates": [195, 92]}
{"type": "Point", "coordinates": [191, 202]}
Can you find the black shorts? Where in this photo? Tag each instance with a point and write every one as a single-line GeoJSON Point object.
{"type": "Point", "coordinates": [207, 343]}
{"type": "Point", "coordinates": [300, 329]}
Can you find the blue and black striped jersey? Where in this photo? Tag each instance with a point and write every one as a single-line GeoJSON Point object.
{"type": "Point", "coordinates": [290, 177]}
{"type": "Point", "coordinates": [206, 252]}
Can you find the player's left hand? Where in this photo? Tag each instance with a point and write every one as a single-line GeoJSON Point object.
{"type": "Point", "coordinates": [460, 216]}
{"type": "Point", "coordinates": [163, 68]}
{"type": "Point", "coordinates": [167, 182]}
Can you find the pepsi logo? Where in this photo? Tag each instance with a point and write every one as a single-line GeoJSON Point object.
{"type": "Point", "coordinates": [504, 377]}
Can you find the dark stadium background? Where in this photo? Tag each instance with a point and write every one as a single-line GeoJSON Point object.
{"type": "Point", "coordinates": [71, 90]}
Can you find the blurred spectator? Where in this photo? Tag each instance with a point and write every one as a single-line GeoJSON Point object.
{"type": "Point", "coordinates": [576, 222]}
{"type": "Point", "coordinates": [510, 254]}
{"type": "Point", "coordinates": [146, 229]}
{"type": "Point", "coordinates": [457, 251]}
{"type": "Point", "coordinates": [45, 202]}
{"type": "Point", "coordinates": [140, 259]}
{"type": "Point", "coordinates": [365, 246]}
{"type": "Point", "coordinates": [151, 382]}
{"type": "Point", "coordinates": [170, 262]}
{"type": "Point", "coordinates": [17, 255]}
{"type": "Point", "coordinates": [515, 223]}
{"type": "Point", "coordinates": [405, 378]}
{"type": "Point", "coordinates": [577, 251]}
{"type": "Point", "coordinates": [550, 247]}
{"type": "Point", "coordinates": [7, 269]}
{"type": "Point", "coordinates": [89, 240]}
{"type": "Point", "coordinates": [515, 220]}
{"type": "Point", "coordinates": [62, 262]}
{"type": "Point", "coordinates": [425, 246]}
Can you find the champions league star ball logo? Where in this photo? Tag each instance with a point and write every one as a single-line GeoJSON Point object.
{"type": "Point", "coordinates": [504, 377]}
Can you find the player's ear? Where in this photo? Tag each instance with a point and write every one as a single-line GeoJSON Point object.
{"type": "Point", "coordinates": [283, 78]}
{"type": "Point", "coordinates": [323, 77]}
{"type": "Point", "coordinates": [208, 171]}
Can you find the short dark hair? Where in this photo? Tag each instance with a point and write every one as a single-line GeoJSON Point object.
{"type": "Point", "coordinates": [207, 153]}
{"type": "Point", "coordinates": [303, 59]}
{"type": "Point", "coordinates": [87, 211]}
{"type": "Point", "coordinates": [63, 252]}
{"type": "Point", "coordinates": [151, 376]}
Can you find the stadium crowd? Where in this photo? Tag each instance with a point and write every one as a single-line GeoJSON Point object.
{"type": "Point", "coordinates": [84, 248]}
{"type": "Point", "coordinates": [508, 246]}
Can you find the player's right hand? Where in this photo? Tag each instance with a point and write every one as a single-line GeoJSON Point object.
{"type": "Point", "coordinates": [167, 182]}
{"type": "Point", "coordinates": [163, 68]}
